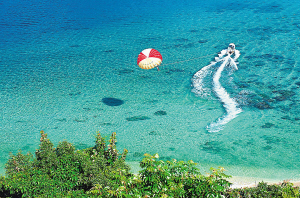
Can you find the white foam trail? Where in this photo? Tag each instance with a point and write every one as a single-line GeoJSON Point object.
{"type": "Point", "coordinates": [230, 104]}
{"type": "Point", "coordinates": [199, 86]}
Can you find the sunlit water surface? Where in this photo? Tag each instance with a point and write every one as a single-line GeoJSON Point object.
{"type": "Point", "coordinates": [69, 68]}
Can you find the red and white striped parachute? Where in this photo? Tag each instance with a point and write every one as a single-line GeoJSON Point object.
{"type": "Point", "coordinates": [149, 58]}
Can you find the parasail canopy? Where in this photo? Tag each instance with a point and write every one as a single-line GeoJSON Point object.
{"type": "Point", "coordinates": [149, 58]}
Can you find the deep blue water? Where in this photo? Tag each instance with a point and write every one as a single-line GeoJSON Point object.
{"type": "Point", "coordinates": [69, 68]}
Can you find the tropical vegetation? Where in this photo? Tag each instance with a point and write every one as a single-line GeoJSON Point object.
{"type": "Point", "coordinates": [101, 171]}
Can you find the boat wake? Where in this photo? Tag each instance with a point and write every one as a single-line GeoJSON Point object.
{"type": "Point", "coordinates": [202, 89]}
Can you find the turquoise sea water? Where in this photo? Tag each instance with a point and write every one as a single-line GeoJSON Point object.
{"type": "Point", "coordinates": [62, 62]}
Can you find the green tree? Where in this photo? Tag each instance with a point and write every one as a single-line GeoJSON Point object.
{"type": "Point", "coordinates": [160, 178]}
{"type": "Point", "coordinates": [62, 171]}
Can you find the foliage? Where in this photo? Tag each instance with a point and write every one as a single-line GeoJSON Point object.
{"type": "Point", "coordinates": [18, 162]}
{"type": "Point", "coordinates": [285, 190]}
{"type": "Point", "coordinates": [180, 179]}
{"type": "Point", "coordinates": [168, 179]}
{"type": "Point", "coordinates": [62, 171]}
{"type": "Point", "coordinates": [100, 171]}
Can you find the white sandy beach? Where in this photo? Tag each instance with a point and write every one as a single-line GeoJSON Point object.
{"type": "Point", "coordinates": [243, 182]}
{"type": "Point", "coordinates": [237, 181]}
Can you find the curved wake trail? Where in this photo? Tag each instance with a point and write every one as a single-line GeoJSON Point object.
{"type": "Point", "coordinates": [198, 84]}
{"type": "Point", "coordinates": [229, 104]}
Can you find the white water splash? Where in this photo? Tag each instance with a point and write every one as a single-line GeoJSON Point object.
{"type": "Point", "coordinates": [199, 87]}
{"type": "Point", "coordinates": [229, 104]}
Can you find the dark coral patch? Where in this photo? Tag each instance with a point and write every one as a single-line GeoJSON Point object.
{"type": "Point", "coordinates": [181, 39]}
{"type": "Point", "coordinates": [202, 41]}
{"type": "Point", "coordinates": [125, 71]}
{"type": "Point", "coordinates": [242, 85]}
{"type": "Point", "coordinates": [80, 119]}
{"type": "Point", "coordinates": [287, 93]}
{"type": "Point", "coordinates": [213, 147]}
{"type": "Point", "coordinates": [267, 125]}
{"type": "Point", "coordinates": [61, 119]}
{"type": "Point", "coordinates": [286, 118]}
{"type": "Point", "coordinates": [75, 46]}
{"type": "Point", "coordinates": [171, 149]}
{"type": "Point", "coordinates": [75, 93]}
{"type": "Point", "coordinates": [153, 133]}
{"type": "Point", "coordinates": [267, 147]}
{"type": "Point", "coordinates": [284, 95]}
{"type": "Point", "coordinates": [159, 113]}
{"type": "Point", "coordinates": [297, 83]}
{"type": "Point", "coordinates": [273, 139]}
{"type": "Point", "coordinates": [109, 51]}
{"type": "Point", "coordinates": [262, 105]}
{"type": "Point", "coordinates": [137, 118]}
{"type": "Point", "coordinates": [112, 101]}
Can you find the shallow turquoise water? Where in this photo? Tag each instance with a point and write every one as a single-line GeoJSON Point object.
{"type": "Point", "coordinates": [58, 62]}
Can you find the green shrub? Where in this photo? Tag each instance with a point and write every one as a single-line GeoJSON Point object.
{"type": "Point", "coordinates": [100, 171]}
{"type": "Point", "coordinates": [263, 190]}
{"type": "Point", "coordinates": [168, 179]}
{"type": "Point", "coordinates": [62, 171]}
{"type": "Point", "coordinates": [180, 179]}
{"type": "Point", "coordinates": [289, 191]}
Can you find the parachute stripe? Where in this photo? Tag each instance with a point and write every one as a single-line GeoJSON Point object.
{"type": "Point", "coordinates": [141, 57]}
{"type": "Point", "coordinates": [149, 58]}
{"type": "Point", "coordinates": [155, 54]}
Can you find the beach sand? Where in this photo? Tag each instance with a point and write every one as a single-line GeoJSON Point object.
{"type": "Point", "coordinates": [243, 182]}
{"type": "Point", "coordinates": [237, 181]}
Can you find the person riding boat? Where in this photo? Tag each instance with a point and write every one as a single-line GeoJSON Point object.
{"type": "Point", "coordinates": [229, 51]}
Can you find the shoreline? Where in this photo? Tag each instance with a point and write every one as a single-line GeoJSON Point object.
{"type": "Point", "coordinates": [237, 181]}
{"type": "Point", "coordinates": [244, 182]}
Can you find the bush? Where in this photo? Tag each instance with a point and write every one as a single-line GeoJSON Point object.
{"type": "Point", "coordinates": [63, 171]}
{"type": "Point", "coordinates": [263, 190]}
{"type": "Point", "coordinates": [169, 179]}
{"type": "Point", "coordinates": [100, 171]}
{"type": "Point", "coordinates": [179, 179]}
